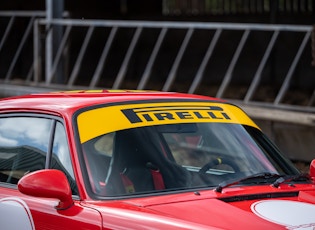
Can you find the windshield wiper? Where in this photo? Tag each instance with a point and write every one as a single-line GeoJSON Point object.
{"type": "Point", "coordinates": [289, 178]}
{"type": "Point", "coordinates": [263, 175]}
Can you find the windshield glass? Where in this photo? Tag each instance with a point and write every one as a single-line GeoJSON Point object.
{"type": "Point", "coordinates": [168, 157]}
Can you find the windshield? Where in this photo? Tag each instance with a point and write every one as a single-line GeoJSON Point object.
{"type": "Point", "coordinates": [150, 147]}
{"type": "Point", "coordinates": [178, 157]}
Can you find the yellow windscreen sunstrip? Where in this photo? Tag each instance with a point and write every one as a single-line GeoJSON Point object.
{"type": "Point", "coordinates": [95, 122]}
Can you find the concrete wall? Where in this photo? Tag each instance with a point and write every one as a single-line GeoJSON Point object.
{"type": "Point", "coordinates": [295, 141]}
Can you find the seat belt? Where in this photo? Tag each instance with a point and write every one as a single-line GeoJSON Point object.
{"type": "Point", "coordinates": [156, 176]}
{"type": "Point", "coordinates": [157, 179]}
{"type": "Point", "coordinates": [128, 185]}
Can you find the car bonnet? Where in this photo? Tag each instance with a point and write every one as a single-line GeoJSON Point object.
{"type": "Point", "coordinates": [292, 210]}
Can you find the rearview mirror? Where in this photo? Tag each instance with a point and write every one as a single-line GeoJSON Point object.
{"type": "Point", "coordinates": [48, 183]}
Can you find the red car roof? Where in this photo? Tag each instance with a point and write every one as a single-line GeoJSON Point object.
{"type": "Point", "coordinates": [73, 100]}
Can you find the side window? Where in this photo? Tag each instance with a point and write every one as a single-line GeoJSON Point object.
{"type": "Point", "coordinates": [61, 155]}
{"type": "Point", "coordinates": [23, 146]}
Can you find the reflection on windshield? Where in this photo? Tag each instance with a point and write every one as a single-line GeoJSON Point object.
{"type": "Point", "coordinates": [177, 156]}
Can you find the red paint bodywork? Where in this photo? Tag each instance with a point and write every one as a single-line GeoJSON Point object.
{"type": "Point", "coordinates": [203, 209]}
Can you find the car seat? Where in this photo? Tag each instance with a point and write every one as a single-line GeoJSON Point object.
{"type": "Point", "coordinates": [140, 164]}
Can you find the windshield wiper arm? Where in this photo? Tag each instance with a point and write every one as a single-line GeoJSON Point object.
{"type": "Point", "coordinates": [289, 178]}
{"type": "Point", "coordinates": [262, 175]}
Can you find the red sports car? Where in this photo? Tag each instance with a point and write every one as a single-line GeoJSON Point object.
{"type": "Point", "coordinates": [111, 159]}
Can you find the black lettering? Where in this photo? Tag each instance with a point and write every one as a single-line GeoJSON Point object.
{"type": "Point", "coordinates": [226, 116]}
{"type": "Point", "coordinates": [212, 115]}
{"type": "Point", "coordinates": [216, 108]}
{"type": "Point", "coordinates": [131, 115]}
{"type": "Point", "coordinates": [164, 116]}
{"type": "Point", "coordinates": [200, 116]}
{"type": "Point", "coordinates": [147, 117]}
{"type": "Point", "coordinates": [211, 112]}
{"type": "Point", "coordinates": [184, 115]}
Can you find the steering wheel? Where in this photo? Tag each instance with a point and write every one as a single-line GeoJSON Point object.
{"type": "Point", "coordinates": [219, 161]}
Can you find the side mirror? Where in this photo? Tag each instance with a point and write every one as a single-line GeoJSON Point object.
{"type": "Point", "coordinates": [312, 170]}
{"type": "Point", "coordinates": [48, 183]}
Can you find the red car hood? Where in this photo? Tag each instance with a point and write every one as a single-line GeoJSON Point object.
{"type": "Point", "coordinates": [273, 213]}
{"type": "Point", "coordinates": [280, 210]}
